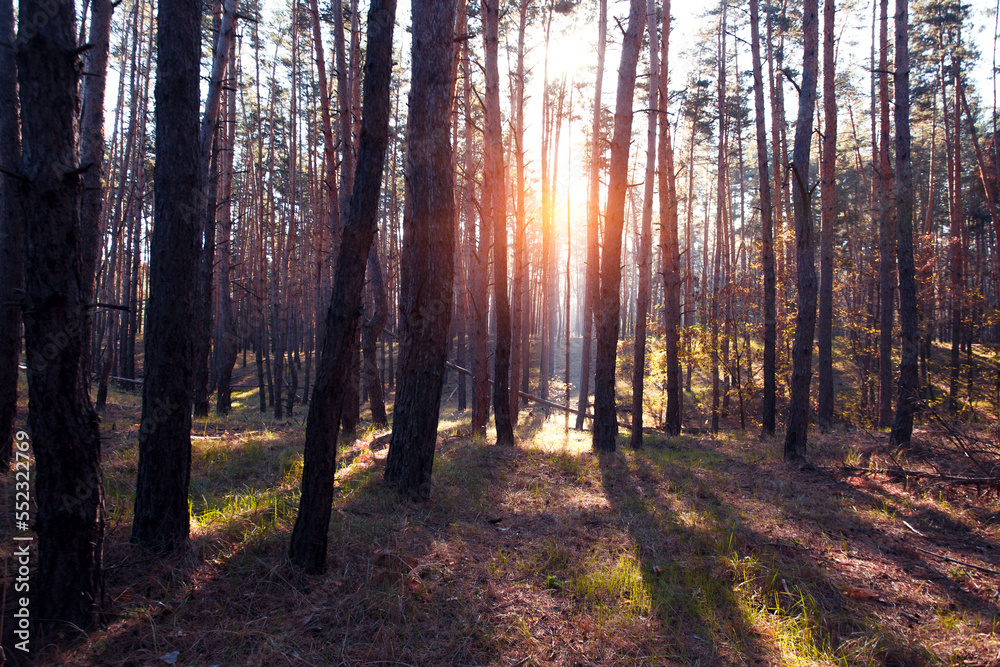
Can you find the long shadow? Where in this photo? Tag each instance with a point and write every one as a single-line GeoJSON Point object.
{"type": "Point", "coordinates": [400, 583]}
{"type": "Point", "coordinates": [700, 615]}
{"type": "Point", "coordinates": [810, 567]}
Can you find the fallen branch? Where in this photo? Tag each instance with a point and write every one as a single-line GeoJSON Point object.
{"type": "Point", "coordinates": [941, 477]}
{"type": "Point", "coordinates": [956, 561]}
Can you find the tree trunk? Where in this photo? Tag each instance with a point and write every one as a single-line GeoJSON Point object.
{"type": "Point", "coordinates": [479, 297]}
{"type": "Point", "coordinates": [520, 217]}
{"type": "Point", "coordinates": [495, 215]}
{"type": "Point", "coordinates": [669, 242]}
{"type": "Point", "coordinates": [805, 320]}
{"type": "Point", "coordinates": [95, 64]}
{"type": "Point", "coordinates": [909, 380]}
{"type": "Point", "coordinates": [161, 498]}
{"type": "Point", "coordinates": [225, 330]}
{"type": "Point", "coordinates": [427, 256]}
{"type": "Point", "coordinates": [828, 183]}
{"type": "Point", "coordinates": [371, 329]}
{"type": "Point", "coordinates": [607, 315]}
{"type": "Point", "coordinates": [956, 254]}
{"type": "Point", "coordinates": [69, 523]}
{"type": "Point", "coordinates": [767, 416]}
{"type": "Point", "coordinates": [11, 235]}
{"type": "Point", "coordinates": [592, 287]}
{"type": "Point", "coordinates": [208, 202]}
{"type": "Point", "coordinates": [645, 242]}
{"type": "Point", "coordinates": [886, 241]}
{"type": "Point", "coordinates": [307, 547]}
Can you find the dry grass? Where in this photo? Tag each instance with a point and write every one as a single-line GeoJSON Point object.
{"type": "Point", "coordinates": [693, 550]}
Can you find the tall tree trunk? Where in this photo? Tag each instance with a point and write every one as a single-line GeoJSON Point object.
{"type": "Point", "coordinates": [592, 287]}
{"type": "Point", "coordinates": [307, 547]}
{"type": "Point", "coordinates": [828, 183]}
{"type": "Point", "coordinates": [11, 234]}
{"type": "Point", "coordinates": [607, 315]}
{"type": "Point", "coordinates": [332, 202]}
{"type": "Point", "coordinates": [886, 241]}
{"type": "Point", "coordinates": [427, 257]}
{"type": "Point", "coordinates": [767, 416]}
{"type": "Point", "coordinates": [669, 242]}
{"type": "Point", "coordinates": [161, 497]}
{"type": "Point", "coordinates": [371, 329]}
{"type": "Point", "coordinates": [645, 242]}
{"type": "Point", "coordinates": [225, 329]}
{"type": "Point", "coordinates": [956, 255]}
{"type": "Point", "coordinates": [720, 274]}
{"type": "Point", "coordinates": [909, 380]}
{"type": "Point", "coordinates": [479, 263]}
{"type": "Point", "coordinates": [69, 522]}
{"type": "Point", "coordinates": [495, 215]}
{"type": "Point", "coordinates": [206, 269]}
{"type": "Point", "coordinates": [805, 320]}
{"type": "Point", "coordinates": [520, 217]}
{"type": "Point", "coordinates": [95, 64]}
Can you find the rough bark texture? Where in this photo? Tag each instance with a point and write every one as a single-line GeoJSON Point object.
{"type": "Point", "coordinates": [805, 319]}
{"type": "Point", "coordinates": [828, 165]}
{"type": "Point", "coordinates": [886, 236]}
{"type": "Point", "coordinates": [479, 248]}
{"type": "Point", "coordinates": [371, 329]}
{"type": "Point", "coordinates": [95, 64]}
{"type": "Point", "coordinates": [427, 255]}
{"type": "Point", "coordinates": [909, 380]}
{"type": "Point", "coordinates": [669, 242]}
{"type": "Point", "coordinates": [226, 342]}
{"type": "Point", "coordinates": [607, 314]}
{"type": "Point", "coordinates": [767, 416]}
{"type": "Point", "coordinates": [11, 233]}
{"type": "Point", "coordinates": [956, 249]}
{"type": "Point", "coordinates": [208, 201]}
{"type": "Point", "coordinates": [161, 498]}
{"type": "Point", "coordinates": [69, 522]}
{"type": "Point", "coordinates": [519, 292]}
{"type": "Point", "coordinates": [592, 287]}
{"type": "Point", "coordinates": [645, 240]}
{"type": "Point", "coordinates": [494, 200]}
{"type": "Point", "coordinates": [307, 548]}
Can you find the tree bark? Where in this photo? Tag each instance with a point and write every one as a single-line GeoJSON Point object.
{"type": "Point", "coordinates": [161, 518]}
{"type": "Point", "coordinates": [427, 256]}
{"type": "Point", "coordinates": [607, 315]}
{"type": "Point", "coordinates": [828, 185]}
{"type": "Point", "coordinates": [669, 242]}
{"type": "Point", "coordinates": [520, 217]}
{"type": "Point", "coordinates": [11, 234]}
{"type": "Point", "coordinates": [208, 201]}
{"type": "Point", "coordinates": [645, 241]}
{"type": "Point", "coordinates": [95, 64]}
{"type": "Point", "coordinates": [767, 416]}
{"type": "Point", "coordinates": [371, 329]}
{"type": "Point", "coordinates": [956, 248]}
{"type": "Point", "coordinates": [909, 380]}
{"type": "Point", "coordinates": [592, 287]}
{"type": "Point", "coordinates": [886, 240]}
{"type": "Point", "coordinates": [307, 547]}
{"type": "Point", "coordinates": [225, 329]}
{"type": "Point", "coordinates": [479, 296]}
{"type": "Point", "coordinates": [805, 320]}
{"type": "Point", "coordinates": [69, 522]}
{"type": "Point", "coordinates": [494, 206]}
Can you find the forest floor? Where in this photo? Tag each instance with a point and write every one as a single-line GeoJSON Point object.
{"type": "Point", "coordinates": [693, 550]}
